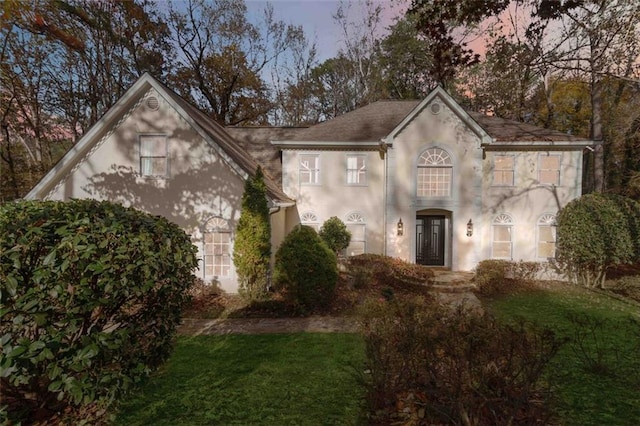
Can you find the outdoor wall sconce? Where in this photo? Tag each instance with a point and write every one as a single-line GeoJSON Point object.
{"type": "Point", "coordinates": [400, 228]}
{"type": "Point", "coordinates": [469, 228]}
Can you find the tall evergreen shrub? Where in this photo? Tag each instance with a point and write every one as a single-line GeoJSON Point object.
{"type": "Point", "coordinates": [252, 248]}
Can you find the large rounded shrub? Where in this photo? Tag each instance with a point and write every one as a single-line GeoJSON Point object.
{"type": "Point", "coordinates": [91, 295]}
{"type": "Point", "coordinates": [630, 208]}
{"type": "Point", "coordinates": [306, 269]}
{"type": "Point", "coordinates": [335, 234]}
{"type": "Point", "coordinates": [593, 235]}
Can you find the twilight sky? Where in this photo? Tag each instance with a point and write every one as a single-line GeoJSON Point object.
{"type": "Point", "coordinates": [316, 18]}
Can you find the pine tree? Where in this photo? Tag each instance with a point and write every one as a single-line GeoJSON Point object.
{"type": "Point", "coordinates": [252, 248]}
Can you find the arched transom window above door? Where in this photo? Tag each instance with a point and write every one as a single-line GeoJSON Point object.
{"type": "Point", "coordinates": [310, 219]}
{"type": "Point", "coordinates": [435, 171]}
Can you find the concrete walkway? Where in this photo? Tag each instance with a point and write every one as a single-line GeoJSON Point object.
{"type": "Point", "coordinates": [316, 324]}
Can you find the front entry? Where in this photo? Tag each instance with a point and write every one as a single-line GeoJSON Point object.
{"type": "Point", "coordinates": [430, 236]}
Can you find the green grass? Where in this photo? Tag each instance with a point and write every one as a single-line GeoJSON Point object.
{"type": "Point", "coordinates": [275, 379]}
{"type": "Point", "coordinates": [587, 395]}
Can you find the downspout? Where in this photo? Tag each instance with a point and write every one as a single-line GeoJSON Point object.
{"type": "Point", "coordinates": [385, 157]}
{"type": "Point", "coordinates": [272, 211]}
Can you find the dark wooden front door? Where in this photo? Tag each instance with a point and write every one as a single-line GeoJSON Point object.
{"type": "Point", "coordinates": [430, 234]}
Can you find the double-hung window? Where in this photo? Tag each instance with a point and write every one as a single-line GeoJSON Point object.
{"type": "Point", "coordinates": [309, 170]}
{"type": "Point", "coordinates": [217, 249]}
{"type": "Point", "coordinates": [357, 226]}
{"type": "Point", "coordinates": [503, 166]}
{"type": "Point", "coordinates": [549, 169]}
{"type": "Point", "coordinates": [502, 239]}
{"type": "Point", "coordinates": [153, 155]}
{"type": "Point", "coordinates": [356, 169]}
{"type": "Point", "coordinates": [547, 236]}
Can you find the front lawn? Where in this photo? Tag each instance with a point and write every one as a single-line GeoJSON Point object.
{"type": "Point", "coordinates": [283, 379]}
{"type": "Point", "coordinates": [599, 383]}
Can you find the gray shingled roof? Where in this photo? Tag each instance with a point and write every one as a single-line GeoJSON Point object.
{"type": "Point", "coordinates": [233, 149]}
{"type": "Point", "coordinates": [367, 124]}
{"type": "Point", "coordinates": [377, 120]}
{"type": "Point", "coordinates": [257, 142]}
{"type": "Point", "coordinates": [503, 130]}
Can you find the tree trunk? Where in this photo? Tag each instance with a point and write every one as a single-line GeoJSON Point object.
{"type": "Point", "coordinates": [596, 129]}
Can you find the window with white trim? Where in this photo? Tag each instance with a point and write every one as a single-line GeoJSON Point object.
{"type": "Point", "coordinates": [547, 236]}
{"type": "Point", "coordinates": [310, 219]}
{"type": "Point", "coordinates": [153, 155]}
{"type": "Point", "coordinates": [502, 239]}
{"type": "Point", "coordinates": [435, 170]}
{"type": "Point", "coordinates": [356, 169]}
{"type": "Point", "coordinates": [217, 249]}
{"type": "Point", "coordinates": [549, 169]}
{"type": "Point", "coordinates": [357, 226]}
{"type": "Point", "coordinates": [309, 170]}
{"type": "Point", "coordinates": [503, 168]}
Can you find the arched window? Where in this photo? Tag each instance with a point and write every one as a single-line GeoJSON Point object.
{"type": "Point", "coordinates": [435, 170]}
{"type": "Point", "coordinates": [502, 240]}
{"type": "Point", "coordinates": [310, 219]}
{"type": "Point", "coordinates": [357, 226]}
{"type": "Point", "coordinates": [547, 236]}
{"type": "Point", "coordinates": [217, 248]}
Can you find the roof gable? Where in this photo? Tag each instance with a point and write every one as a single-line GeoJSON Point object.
{"type": "Point", "coordinates": [441, 94]}
{"type": "Point", "coordinates": [234, 155]}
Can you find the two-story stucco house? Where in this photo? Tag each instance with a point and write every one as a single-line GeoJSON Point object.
{"type": "Point", "coordinates": [425, 181]}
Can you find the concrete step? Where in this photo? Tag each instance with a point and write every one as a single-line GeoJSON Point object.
{"type": "Point", "coordinates": [463, 287]}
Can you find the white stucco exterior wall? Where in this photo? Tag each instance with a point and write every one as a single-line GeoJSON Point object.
{"type": "Point", "coordinates": [446, 131]}
{"type": "Point", "coordinates": [199, 184]}
{"type": "Point", "coordinates": [333, 196]}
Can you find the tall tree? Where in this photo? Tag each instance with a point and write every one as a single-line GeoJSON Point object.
{"type": "Point", "coordinates": [359, 53]}
{"type": "Point", "coordinates": [63, 64]}
{"type": "Point", "coordinates": [406, 59]}
{"type": "Point", "coordinates": [222, 56]}
{"type": "Point", "coordinates": [598, 38]}
{"type": "Point", "coordinates": [445, 24]}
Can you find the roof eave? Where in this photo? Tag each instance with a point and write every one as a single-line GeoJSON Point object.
{"type": "Point", "coordinates": [362, 145]}
{"type": "Point", "coordinates": [537, 145]}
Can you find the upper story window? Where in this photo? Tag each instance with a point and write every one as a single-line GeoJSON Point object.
{"type": "Point", "coordinates": [217, 249]}
{"type": "Point", "coordinates": [357, 226]}
{"type": "Point", "coordinates": [309, 169]}
{"type": "Point", "coordinates": [310, 219]}
{"type": "Point", "coordinates": [502, 239]}
{"type": "Point", "coordinates": [549, 169]}
{"type": "Point", "coordinates": [153, 155]}
{"type": "Point", "coordinates": [547, 236]}
{"type": "Point", "coordinates": [503, 167]}
{"type": "Point", "coordinates": [435, 170]}
{"type": "Point", "coordinates": [356, 169]}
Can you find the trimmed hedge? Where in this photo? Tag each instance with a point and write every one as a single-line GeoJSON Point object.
{"type": "Point", "coordinates": [91, 295]}
{"type": "Point", "coordinates": [495, 277]}
{"type": "Point", "coordinates": [306, 269]}
{"type": "Point", "coordinates": [388, 271]}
